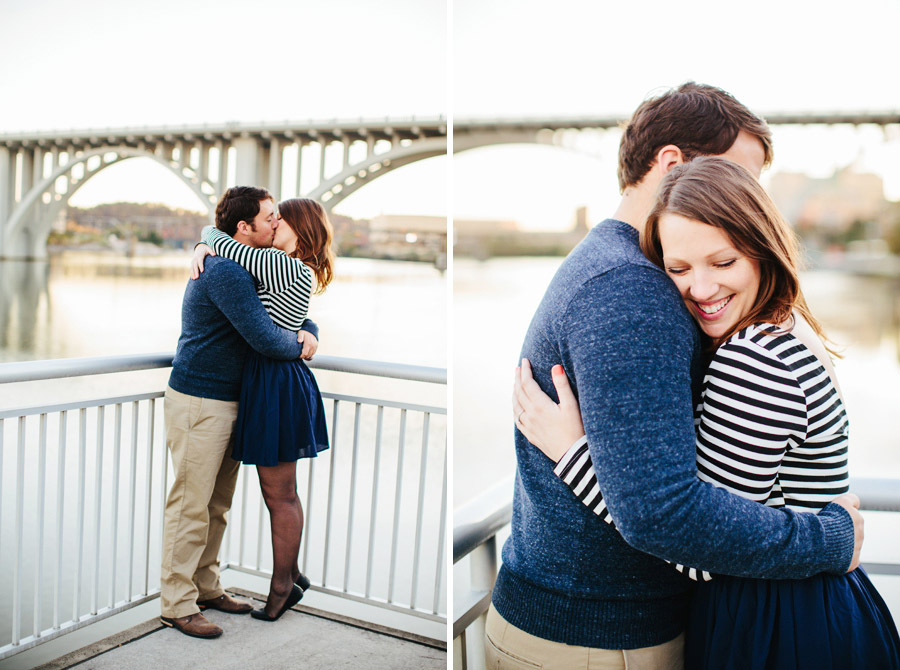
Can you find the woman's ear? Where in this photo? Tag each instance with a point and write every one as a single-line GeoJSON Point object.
{"type": "Point", "coordinates": [668, 157]}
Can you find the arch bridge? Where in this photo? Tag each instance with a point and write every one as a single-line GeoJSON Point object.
{"type": "Point", "coordinates": [39, 172]}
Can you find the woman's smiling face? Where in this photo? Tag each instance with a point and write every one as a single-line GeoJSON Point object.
{"type": "Point", "coordinates": [718, 283]}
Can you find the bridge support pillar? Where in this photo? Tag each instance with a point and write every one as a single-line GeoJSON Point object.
{"type": "Point", "coordinates": [346, 143]}
{"type": "Point", "coordinates": [299, 190]}
{"type": "Point", "coordinates": [38, 173]}
{"type": "Point", "coordinates": [324, 145]}
{"type": "Point", "coordinates": [7, 174]}
{"type": "Point", "coordinates": [27, 171]}
{"type": "Point", "coordinates": [7, 182]}
{"type": "Point", "coordinates": [202, 160]}
{"type": "Point", "coordinates": [275, 163]}
{"type": "Point", "coordinates": [222, 153]}
{"type": "Point", "coordinates": [246, 161]}
{"type": "Point", "coordinates": [262, 166]}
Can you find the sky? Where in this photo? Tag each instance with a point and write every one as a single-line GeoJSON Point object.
{"type": "Point", "coordinates": [100, 63]}
{"type": "Point", "coordinates": [108, 64]}
{"type": "Point", "coordinates": [571, 57]}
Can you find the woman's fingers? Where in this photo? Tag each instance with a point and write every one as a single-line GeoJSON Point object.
{"type": "Point", "coordinates": [563, 388]}
{"type": "Point", "coordinates": [530, 390]}
{"type": "Point", "coordinates": [200, 253]}
{"type": "Point", "coordinates": [518, 399]}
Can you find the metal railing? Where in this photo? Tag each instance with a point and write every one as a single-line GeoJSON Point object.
{"type": "Point", "coordinates": [83, 485]}
{"type": "Point", "coordinates": [477, 525]}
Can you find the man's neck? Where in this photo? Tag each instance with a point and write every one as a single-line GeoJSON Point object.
{"type": "Point", "coordinates": [636, 204]}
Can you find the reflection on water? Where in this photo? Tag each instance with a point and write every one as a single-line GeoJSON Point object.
{"type": "Point", "coordinates": [23, 292]}
{"type": "Point", "coordinates": [493, 305]}
{"type": "Point", "coordinates": [92, 304]}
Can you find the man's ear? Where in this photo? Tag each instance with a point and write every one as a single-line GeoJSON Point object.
{"type": "Point", "coordinates": [243, 227]}
{"type": "Point", "coordinates": [667, 158]}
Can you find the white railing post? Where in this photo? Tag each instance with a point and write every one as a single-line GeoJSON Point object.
{"type": "Point", "coordinates": [483, 571]}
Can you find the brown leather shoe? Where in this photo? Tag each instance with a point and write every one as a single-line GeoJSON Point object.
{"type": "Point", "coordinates": [195, 625]}
{"type": "Point", "coordinates": [226, 603]}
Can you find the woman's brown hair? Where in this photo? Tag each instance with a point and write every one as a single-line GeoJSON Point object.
{"type": "Point", "coordinates": [720, 193]}
{"type": "Point", "coordinates": [308, 220]}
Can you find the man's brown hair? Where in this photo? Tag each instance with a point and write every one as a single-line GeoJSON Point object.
{"type": "Point", "coordinates": [239, 203]}
{"type": "Point", "coordinates": [700, 120]}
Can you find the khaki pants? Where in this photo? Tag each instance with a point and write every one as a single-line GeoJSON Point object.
{"type": "Point", "coordinates": [508, 648]}
{"type": "Point", "coordinates": [199, 436]}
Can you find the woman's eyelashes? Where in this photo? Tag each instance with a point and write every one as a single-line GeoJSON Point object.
{"type": "Point", "coordinates": [678, 270]}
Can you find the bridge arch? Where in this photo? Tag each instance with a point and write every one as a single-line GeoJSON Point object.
{"type": "Point", "coordinates": [25, 234]}
{"type": "Point", "coordinates": [353, 177]}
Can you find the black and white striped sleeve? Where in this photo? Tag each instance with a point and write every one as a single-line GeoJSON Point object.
{"type": "Point", "coordinates": [270, 267]}
{"type": "Point", "coordinates": [576, 469]}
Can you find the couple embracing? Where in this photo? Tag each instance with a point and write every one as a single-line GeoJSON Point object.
{"type": "Point", "coordinates": [240, 392]}
{"type": "Point", "coordinates": [685, 504]}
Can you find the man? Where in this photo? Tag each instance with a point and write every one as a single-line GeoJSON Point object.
{"type": "Point", "coordinates": [571, 590]}
{"type": "Point", "coordinates": [221, 315]}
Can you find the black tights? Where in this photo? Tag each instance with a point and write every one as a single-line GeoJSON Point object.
{"type": "Point", "coordinates": [279, 489]}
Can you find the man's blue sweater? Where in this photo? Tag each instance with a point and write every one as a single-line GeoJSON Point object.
{"type": "Point", "coordinates": [619, 328]}
{"type": "Point", "coordinates": [221, 314]}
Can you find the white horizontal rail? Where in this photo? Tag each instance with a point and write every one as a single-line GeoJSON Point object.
{"type": "Point", "coordinates": [76, 367]}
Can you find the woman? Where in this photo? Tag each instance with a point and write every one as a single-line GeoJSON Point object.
{"type": "Point", "coordinates": [771, 424]}
{"type": "Point", "coordinates": [280, 414]}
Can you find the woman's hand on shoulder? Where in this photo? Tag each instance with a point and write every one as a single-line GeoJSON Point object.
{"type": "Point", "coordinates": [201, 251]}
{"type": "Point", "coordinates": [550, 427]}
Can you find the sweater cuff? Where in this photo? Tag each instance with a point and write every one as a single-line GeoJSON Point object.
{"type": "Point", "coordinates": [839, 538]}
{"type": "Point", "coordinates": [310, 326]}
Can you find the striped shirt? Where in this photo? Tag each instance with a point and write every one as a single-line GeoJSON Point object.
{"type": "Point", "coordinates": [284, 284]}
{"type": "Point", "coordinates": [771, 427]}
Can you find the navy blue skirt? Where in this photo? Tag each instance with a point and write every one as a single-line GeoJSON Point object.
{"type": "Point", "coordinates": [280, 415]}
{"type": "Point", "coordinates": [825, 622]}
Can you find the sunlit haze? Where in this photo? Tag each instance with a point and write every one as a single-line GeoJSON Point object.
{"type": "Point", "coordinates": [515, 58]}
{"type": "Point", "coordinates": [95, 64]}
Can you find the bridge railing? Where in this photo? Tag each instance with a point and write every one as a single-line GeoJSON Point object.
{"type": "Point", "coordinates": [479, 525]}
{"type": "Point", "coordinates": [83, 485]}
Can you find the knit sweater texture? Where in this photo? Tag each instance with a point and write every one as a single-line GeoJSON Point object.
{"type": "Point", "coordinates": [220, 316]}
{"type": "Point", "coordinates": [620, 329]}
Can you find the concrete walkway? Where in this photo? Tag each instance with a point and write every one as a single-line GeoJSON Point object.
{"type": "Point", "coordinates": [302, 638]}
